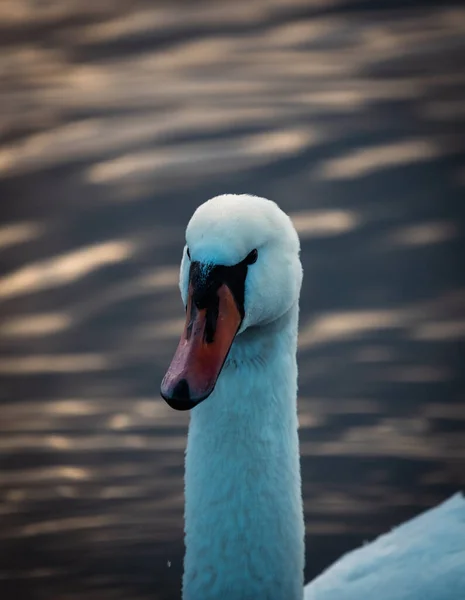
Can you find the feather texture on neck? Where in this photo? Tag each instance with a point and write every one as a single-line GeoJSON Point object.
{"type": "Point", "coordinates": [244, 518]}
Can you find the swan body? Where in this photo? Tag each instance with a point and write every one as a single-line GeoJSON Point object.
{"type": "Point", "coordinates": [235, 365]}
{"type": "Point", "coordinates": [423, 559]}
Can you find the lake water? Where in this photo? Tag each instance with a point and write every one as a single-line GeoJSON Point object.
{"type": "Point", "coordinates": [117, 120]}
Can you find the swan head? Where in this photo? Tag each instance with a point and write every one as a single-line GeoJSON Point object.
{"type": "Point", "coordinates": [240, 269]}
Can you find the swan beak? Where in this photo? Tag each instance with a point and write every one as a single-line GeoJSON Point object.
{"type": "Point", "coordinates": [205, 343]}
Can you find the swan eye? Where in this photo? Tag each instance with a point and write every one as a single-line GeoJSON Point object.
{"type": "Point", "coordinates": [188, 254]}
{"type": "Point", "coordinates": [251, 257]}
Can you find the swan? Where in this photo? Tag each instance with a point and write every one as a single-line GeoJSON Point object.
{"type": "Point", "coordinates": [240, 281]}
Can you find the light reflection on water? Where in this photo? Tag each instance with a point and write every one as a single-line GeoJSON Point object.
{"type": "Point", "coordinates": [115, 125]}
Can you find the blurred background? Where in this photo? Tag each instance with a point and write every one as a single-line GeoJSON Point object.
{"type": "Point", "coordinates": [117, 118]}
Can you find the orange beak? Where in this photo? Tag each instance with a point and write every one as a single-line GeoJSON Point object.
{"type": "Point", "coordinates": [204, 346]}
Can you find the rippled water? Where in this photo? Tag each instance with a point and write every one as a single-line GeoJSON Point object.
{"type": "Point", "coordinates": [117, 120]}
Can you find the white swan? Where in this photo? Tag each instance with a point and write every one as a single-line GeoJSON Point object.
{"type": "Point", "coordinates": [244, 530]}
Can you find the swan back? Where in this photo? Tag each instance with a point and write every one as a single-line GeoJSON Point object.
{"type": "Point", "coordinates": [423, 559]}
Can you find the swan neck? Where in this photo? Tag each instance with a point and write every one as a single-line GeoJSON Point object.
{"type": "Point", "coordinates": [244, 518]}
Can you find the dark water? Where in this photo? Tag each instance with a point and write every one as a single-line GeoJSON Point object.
{"type": "Point", "coordinates": [117, 120]}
